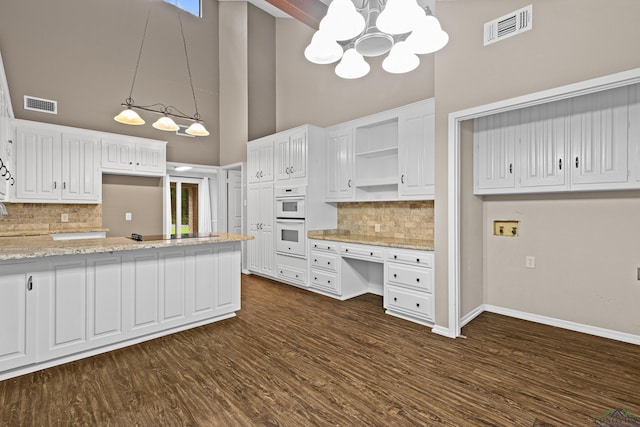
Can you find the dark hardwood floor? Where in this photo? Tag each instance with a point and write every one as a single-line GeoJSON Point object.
{"type": "Point", "coordinates": [294, 358]}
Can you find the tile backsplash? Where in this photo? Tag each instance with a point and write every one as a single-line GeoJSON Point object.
{"type": "Point", "coordinates": [409, 220]}
{"type": "Point", "coordinates": [43, 217]}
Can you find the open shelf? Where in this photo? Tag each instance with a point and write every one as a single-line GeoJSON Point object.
{"type": "Point", "coordinates": [382, 152]}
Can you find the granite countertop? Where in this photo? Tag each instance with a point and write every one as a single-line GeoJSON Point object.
{"type": "Point", "coordinates": [392, 242]}
{"type": "Point", "coordinates": [46, 232]}
{"type": "Point", "coordinates": [17, 248]}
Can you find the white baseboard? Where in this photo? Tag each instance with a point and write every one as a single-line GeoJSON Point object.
{"type": "Point", "coordinates": [472, 315]}
{"type": "Point", "coordinates": [572, 326]}
{"type": "Point", "coordinates": [441, 330]}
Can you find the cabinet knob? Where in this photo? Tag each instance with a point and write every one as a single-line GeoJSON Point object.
{"type": "Point", "coordinates": [510, 167]}
{"type": "Point", "coordinates": [560, 164]}
{"type": "Point", "coordinates": [402, 179]}
{"type": "Point", "coordinates": [395, 275]}
{"type": "Point", "coordinates": [328, 262]}
{"type": "Point", "coordinates": [417, 259]}
{"type": "Point", "coordinates": [328, 247]}
{"type": "Point", "coordinates": [395, 257]}
{"type": "Point", "coordinates": [346, 250]}
{"type": "Point", "coordinates": [130, 163]}
{"type": "Point", "coordinates": [349, 183]}
{"type": "Point", "coordinates": [370, 253]}
{"type": "Point", "coordinates": [418, 279]}
{"type": "Point", "coordinates": [418, 304]}
{"type": "Point", "coordinates": [329, 281]}
{"type": "Point", "coordinates": [137, 163]}
{"type": "Point", "coordinates": [315, 260]}
{"type": "Point", "coordinates": [577, 162]}
{"type": "Point", "coordinates": [395, 299]}
{"type": "Point", "coordinates": [261, 174]}
{"type": "Point", "coordinates": [64, 185]}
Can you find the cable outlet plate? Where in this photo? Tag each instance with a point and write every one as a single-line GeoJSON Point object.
{"type": "Point", "coordinates": [506, 228]}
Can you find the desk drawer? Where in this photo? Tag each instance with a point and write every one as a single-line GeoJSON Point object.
{"type": "Point", "coordinates": [325, 281]}
{"type": "Point", "coordinates": [326, 261]}
{"type": "Point", "coordinates": [416, 303]}
{"type": "Point", "coordinates": [291, 274]}
{"type": "Point", "coordinates": [404, 275]}
{"type": "Point", "coordinates": [323, 246]}
{"type": "Point", "coordinates": [417, 258]}
{"type": "Point", "coordinates": [372, 253]}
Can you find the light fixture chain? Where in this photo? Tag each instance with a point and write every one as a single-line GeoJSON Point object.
{"type": "Point", "coordinates": [184, 43]}
{"type": "Point", "coordinates": [144, 36]}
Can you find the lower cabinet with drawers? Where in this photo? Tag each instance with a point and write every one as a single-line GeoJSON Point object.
{"type": "Point", "coordinates": [408, 285]}
{"type": "Point", "coordinates": [404, 277]}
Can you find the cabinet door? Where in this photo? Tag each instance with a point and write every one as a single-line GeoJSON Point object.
{"type": "Point", "coordinates": [5, 136]}
{"type": "Point", "coordinates": [339, 164]}
{"type": "Point", "coordinates": [226, 279]}
{"type": "Point", "coordinates": [38, 164]}
{"type": "Point", "coordinates": [494, 151]}
{"type": "Point", "coordinates": [105, 293]}
{"type": "Point", "coordinates": [599, 136]}
{"type": "Point", "coordinates": [145, 292]}
{"type": "Point", "coordinates": [544, 136]}
{"type": "Point", "coordinates": [151, 158]}
{"type": "Point", "coordinates": [266, 162]}
{"type": "Point", "coordinates": [267, 215]}
{"type": "Point", "coordinates": [253, 222]}
{"type": "Point", "coordinates": [253, 162]}
{"type": "Point", "coordinates": [117, 155]}
{"type": "Point", "coordinates": [282, 158]}
{"type": "Point", "coordinates": [298, 154]}
{"type": "Point", "coordinates": [17, 315]}
{"type": "Point", "coordinates": [81, 175]}
{"type": "Point", "coordinates": [64, 320]}
{"type": "Point", "coordinates": [416, 151]}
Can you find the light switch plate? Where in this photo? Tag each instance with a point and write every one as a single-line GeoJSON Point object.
{"type": "Point", "coordinates": [127, 216]}
{"type": "Point", "coordinates": [64, 217]}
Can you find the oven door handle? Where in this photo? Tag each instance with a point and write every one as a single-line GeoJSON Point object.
{"type": "Point", "coordinates": [290, 221]}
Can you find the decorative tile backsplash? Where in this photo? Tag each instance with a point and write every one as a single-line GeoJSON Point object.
{"type": "Point", "coordinates": [41, 217]}
{"type": "Point", "coordinates": [408, 220]}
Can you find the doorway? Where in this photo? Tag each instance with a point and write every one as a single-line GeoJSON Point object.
{"type": "Point", "coordinates": [184, 207]}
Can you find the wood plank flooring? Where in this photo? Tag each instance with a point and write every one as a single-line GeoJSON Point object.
{"type": "Point", "coordinates": [294, 358]}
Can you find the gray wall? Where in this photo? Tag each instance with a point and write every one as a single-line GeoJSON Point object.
{"type": "Point", "coordinates": [585, 245]}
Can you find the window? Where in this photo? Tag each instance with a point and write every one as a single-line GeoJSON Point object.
{"type": "Point", "coordinates": [191, 6]}
{"type": "Point", "coordinates": [184, 207]}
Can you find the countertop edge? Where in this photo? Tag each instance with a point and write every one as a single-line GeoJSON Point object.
{"type": "Point", "coordinates": [105, 245]}
{"type": "Point", "coordinates": [390, 242]}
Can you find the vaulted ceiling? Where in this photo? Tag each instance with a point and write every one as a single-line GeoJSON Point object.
{"type": "Point", "coordinates": [309, 12]}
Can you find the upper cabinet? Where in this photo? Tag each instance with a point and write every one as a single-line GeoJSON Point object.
{"type": "Point", "coordinates": [291, 155]}
{"type": "Point", "coordinates": [385, 156]}
{"type": "Point", "coordinates": [133, 156]}
{"type": "Point", "coordinates": [588, 142]}
{"type": "Point", "coordinates": [6, 114]}
{"type": "Point", "coordinates": [56, 166]}
{"type": "Point", "coordinates": [338, 173]}
{"type": "Point", "coordinates": [260, 161]}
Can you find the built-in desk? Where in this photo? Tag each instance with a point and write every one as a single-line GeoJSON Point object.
{"type": "Point", "coordinates": [344, 269]}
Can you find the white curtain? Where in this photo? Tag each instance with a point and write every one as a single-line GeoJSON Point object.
{"type": "Point", "coordinates": [204, 207]}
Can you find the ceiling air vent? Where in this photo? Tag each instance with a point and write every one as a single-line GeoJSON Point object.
{"type": "Point", "coordinates": [508, 25]}
{"type": "Point", "coordinates": [42, 105]}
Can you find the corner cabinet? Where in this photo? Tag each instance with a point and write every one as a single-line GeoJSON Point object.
{"type": "Point", "coordinates": [584, 143]}
{"type": "Point", "coordinates": [56, 165]}
{"type": "Point", "coordinates": [385, 156]}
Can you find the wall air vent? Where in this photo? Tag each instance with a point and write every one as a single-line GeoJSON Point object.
{"type": "Point", "coordinates": [42, 105]}
{"type": "Point", "coordinates": [508, 25]}
{"type": "Point", "coordinates": [182, 131]}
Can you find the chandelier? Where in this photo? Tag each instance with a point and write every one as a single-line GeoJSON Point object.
{"type": "Point", "coordinates": [349, 33]}
{"type": "Point", "coordinates": [130, 117]}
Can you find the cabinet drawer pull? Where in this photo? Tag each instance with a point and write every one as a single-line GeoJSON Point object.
{"type": "Point", "coordinates": [291, 170]}
{"type": "Point", "coordinates": [510, 167]}
{"type": "Point", "coordinates": [55, 185]}
{"type": "Point", "coordinates": [560, 164]}
{"type": "Point", "coordinates": [402, 179]}
{"type": "Point", "coordinates": [349, 183]}
{"type": "Point", "coordinates": [577, 162]}
{"type": "Point", "coordinates": [30, 283]}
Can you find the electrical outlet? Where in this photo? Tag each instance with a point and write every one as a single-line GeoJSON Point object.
{"type": "Point", "coordinates": [377, 228]}
{"type": "Point", "coordinates": [127, 216]}
{"type": "Point", "coordinates": [64, 217]}
{"type": "Point", "coordinates": [530, 261]}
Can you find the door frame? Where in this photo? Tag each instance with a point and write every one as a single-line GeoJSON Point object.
{"type": "Point", "coordinates": [455, 120]}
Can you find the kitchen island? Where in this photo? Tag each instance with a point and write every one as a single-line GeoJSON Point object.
{"type": "Point", "coordinates": [65, 300]}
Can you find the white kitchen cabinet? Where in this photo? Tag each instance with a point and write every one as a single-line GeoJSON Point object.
{"type": "Point", "coordinates": [260, 160]}
{"type": "Point", "coordinates": [408, 289]}
{"type": "Point", "coordinates": [416, 152]}
{"type": "Point", "coordinates": [291, 154]}
{"type": "Point", "coordinates": [324, 264]}
{"type": "Point", "coordinates": [544, 133]}
{"type": "Point", "coordinates": [494, 144]}
{"type": "Point", "coordinates": [634, 134]}
{"type": "Point", "coordinates": [63, 320]}
{"type": "Point", "coordinates": [599, 138]}
{"type": "Point", "coordinates": [56, 166]}
{"type": "Point", "coordinates": [133, 156]}
{"type": "Point", "coordinates": [81, 175]}
{"type": "Point", "coordinates": [17, 317]}
{"type": "Point", "coordinates": [260, 218]}
{"type": "Point", "coordinates": [339, 164]}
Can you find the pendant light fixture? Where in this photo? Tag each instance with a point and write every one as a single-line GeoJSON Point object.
{"type": "Point", "coordinates": [130, 117]}
{"type": "Point", "coordinates": [401, 28]}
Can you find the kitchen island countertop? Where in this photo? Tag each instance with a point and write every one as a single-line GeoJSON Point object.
{"type": "Point", "coordinates": [17, 248]}
{"type": "Point", "coordinates": [393, 242]}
